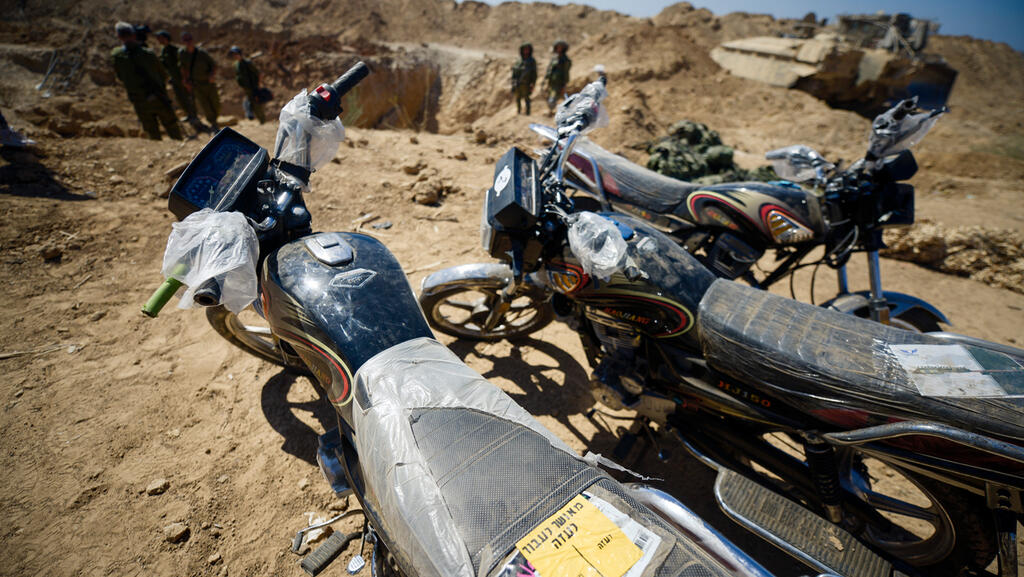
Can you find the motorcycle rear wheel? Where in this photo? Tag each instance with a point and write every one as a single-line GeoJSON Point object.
{"type": "Point", "coordinates": [251, 334]}
{"type": "Point", "coordinates": [462, 311]}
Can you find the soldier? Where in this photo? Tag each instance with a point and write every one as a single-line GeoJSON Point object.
{"type": "Point", "coordinates": [248, 78]}
{"type": "Point", "coordinates": [169, 58]}
{"type": "Point", "coordinates": [524, 77]}
{"type": "Point", "coordinates": [558, 73]}
{"type": "Point", "coordinates": [144, 80]}
{"type": "Point", "coordinates": [197, 75]}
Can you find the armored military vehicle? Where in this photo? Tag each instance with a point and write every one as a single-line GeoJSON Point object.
{"type": "Point", "coordinates": [862, 62]}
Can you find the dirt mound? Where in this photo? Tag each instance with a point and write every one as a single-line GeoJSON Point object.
{"type": "Point", "coordinates": [992, 256]}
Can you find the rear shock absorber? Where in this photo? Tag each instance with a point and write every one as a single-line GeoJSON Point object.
{"type": "Point", "coordinates": [821, 459]}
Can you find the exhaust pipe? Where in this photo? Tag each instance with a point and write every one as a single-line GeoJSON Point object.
{"type": "Point", "coordinates": [704, 535]}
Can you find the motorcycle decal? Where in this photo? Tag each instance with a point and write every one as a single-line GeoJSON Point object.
{"type": "Point", "coordinates": [783, 226]}
{"type": "Point", "coordinates": [566, 278]}
{"type": "Point", "coordinates": [669, 319]}
{"type": "Point", "coordinates": [749, 396]}
{"type": "Point", "coordinates": [337, 380]}
{"type": "Point", "coordinates": [733, 203]}
{"type": "Point", "coordinates": [339, 387]}
{"type": "Point", "coordinates": [502, 180]}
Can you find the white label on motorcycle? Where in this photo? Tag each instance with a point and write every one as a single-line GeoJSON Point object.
{"type": "Point", "coordinates": [503, 179]}
{"type": "Point", "coordinates": [946, 371]}
{"type": "Point", "coordinates": [641, 536]}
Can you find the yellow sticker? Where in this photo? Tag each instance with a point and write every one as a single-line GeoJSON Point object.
{"type": "Point", "coordinates": [579, 541]}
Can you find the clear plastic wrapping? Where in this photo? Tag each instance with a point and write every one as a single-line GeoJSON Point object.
{"type": "Point", "coordinates": [418, 374]}
{"type": "Point", "coordinates": [597, 242]}
{"type": "Point", "coordinates": [305, 140]}
{"type": "Point", "coordinates": [889, 135]}
{"type": "Point", "coordinates": [214, 245]}
{"type": "Point", "coordinates": [798, 163]}
{"type": "Point", "coordinates": [585, 108]}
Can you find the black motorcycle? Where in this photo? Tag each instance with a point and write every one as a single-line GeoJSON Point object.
{"type": "Point", "coordinates": [808, 414]}
{"type": "Point", "coordinates": [730, 226]}
{"type": "Point", "coordinates": [453, 477]}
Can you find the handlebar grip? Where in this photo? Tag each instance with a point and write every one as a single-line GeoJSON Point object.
{"type": "Point", "coordinates": [160, 297]}
{"type": "Point", "coordinates": [349, 79]}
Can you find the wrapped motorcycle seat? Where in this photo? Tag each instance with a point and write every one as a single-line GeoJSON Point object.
{"type": "Point", "coordinates": [635, 184]}
{"type": "Point", "coordinates": [831, 361]}
{"type": "Point", "coordinates": [468, 484]}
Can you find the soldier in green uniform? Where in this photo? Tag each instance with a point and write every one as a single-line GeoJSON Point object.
{"type": "Point", "coordinates": [558, 73]}
{"type": "Point", "coordinates": [169, 58]}
{"type": "Point", "coordinates": [248, 78]}
{"type": "Point", "coordinates": [144, 80]}
{"type": "Point", "coordinates": [524, 77]}
{"type": "Point", "coordinates": [197, 74]}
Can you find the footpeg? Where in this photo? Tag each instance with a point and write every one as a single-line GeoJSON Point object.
{"type": "Point", "coordinates": [791, 527]}
{"type": "Point", "coordinates": [319, 559]}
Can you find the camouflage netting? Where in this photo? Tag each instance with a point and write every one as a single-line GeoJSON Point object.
{"type": "Point", "coordinates": [990, 255]}
{"type": "Point", "coordinates": [695, 153]}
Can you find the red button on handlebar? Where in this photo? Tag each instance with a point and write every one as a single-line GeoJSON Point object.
{"type": "Point", "coordinates": [324, 93]}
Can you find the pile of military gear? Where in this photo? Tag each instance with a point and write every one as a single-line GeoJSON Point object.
{"type": "Point", "coordinates": [695, 153]}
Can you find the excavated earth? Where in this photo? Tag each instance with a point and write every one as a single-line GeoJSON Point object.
{"type": "Point", "coordinates": [100, 405]}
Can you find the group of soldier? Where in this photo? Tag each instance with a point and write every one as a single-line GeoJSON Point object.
{"type": "Point", "coordinates": [192, 73]}
{"type": "Point", "coordinates": [524, 75]}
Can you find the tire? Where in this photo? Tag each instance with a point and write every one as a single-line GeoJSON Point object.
{"type": "Point", "coordinates": [964, 540]}
{"type": "Point", "coordinates": [252, 338]}
{"type": "Point", "coordinates": [460, 311]}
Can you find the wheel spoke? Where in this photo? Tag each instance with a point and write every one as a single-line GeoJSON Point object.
{"type": "Point", "coordinates": [461, 305]}
{"type": "Point", "coordinates": [893, 505]}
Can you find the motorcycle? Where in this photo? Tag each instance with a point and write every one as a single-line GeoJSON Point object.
{"type": "Point", "coordinates": [730, 226]}
{"type": "Point", "coordinates": [453, 477]}
{"type": "Point", "coordinates": [808, 414]}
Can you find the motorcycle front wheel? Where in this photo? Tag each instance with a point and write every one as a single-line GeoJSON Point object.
{"type": "Point", "coordinates": [464, 311]}
{"type": "Point", "coordinates": [249, 332]}
{"type": "Point", "coordinates": [933, 526]}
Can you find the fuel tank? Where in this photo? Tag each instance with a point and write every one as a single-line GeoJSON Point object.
{"type": "Point", "coordinates": [660, 301]}
{"type": "Point", "coordinates": [339, 299]}
{"type": "Point", "coordinates": [778, 212]}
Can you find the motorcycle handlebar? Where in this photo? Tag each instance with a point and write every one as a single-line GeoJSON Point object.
{"type": "Point", "coordinates": [160, 297]}
{"type": "Point", "coordinates": [350, 78]}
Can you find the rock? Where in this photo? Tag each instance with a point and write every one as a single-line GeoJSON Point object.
{"type": "Point", "coordinates": [222, 478]}
{"type": "Point", "coordinates": [339, 505]}
{"type": "Point", "coordinates": [303, 483]}
{"type": "Point", "coordinates": [161, 190]}
{"type": "Point", "coordinates": [51, 252]}
{"type": "Point", "coordinates": [173, 173]}
{"type": "Point", "coordinates": [480, 137]}
{"type": "Point", "coordinates": [157, 486]}
{"type": "Point", "coordinates": [97, 316]}
{"type": "Point", "coordinates": [206, 525]}
{"type": "Point", "coordinates": [460, 155]}
{"type": "Point", "coordinates": [223, 121]}
{"type": "Point", "coordinates": [176, 533]}
{"type": "Point", "coordinates": [214, 559]}
{"type": "Point", "coordinates": [414, 140]}
{"type": "Point", "coordinates": [116, 179]}
{"type": "Point", "coordinates": [65, 126]}
{"type": "Point", "coordinates": [427, 191]}
{"type": "Point", "coordinates": [413, 168]}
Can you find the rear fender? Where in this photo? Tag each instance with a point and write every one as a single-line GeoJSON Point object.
{"type": "Point", "coordinates": [478, 274]}
{"type": "Point", "coordinates": [899, 304]}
